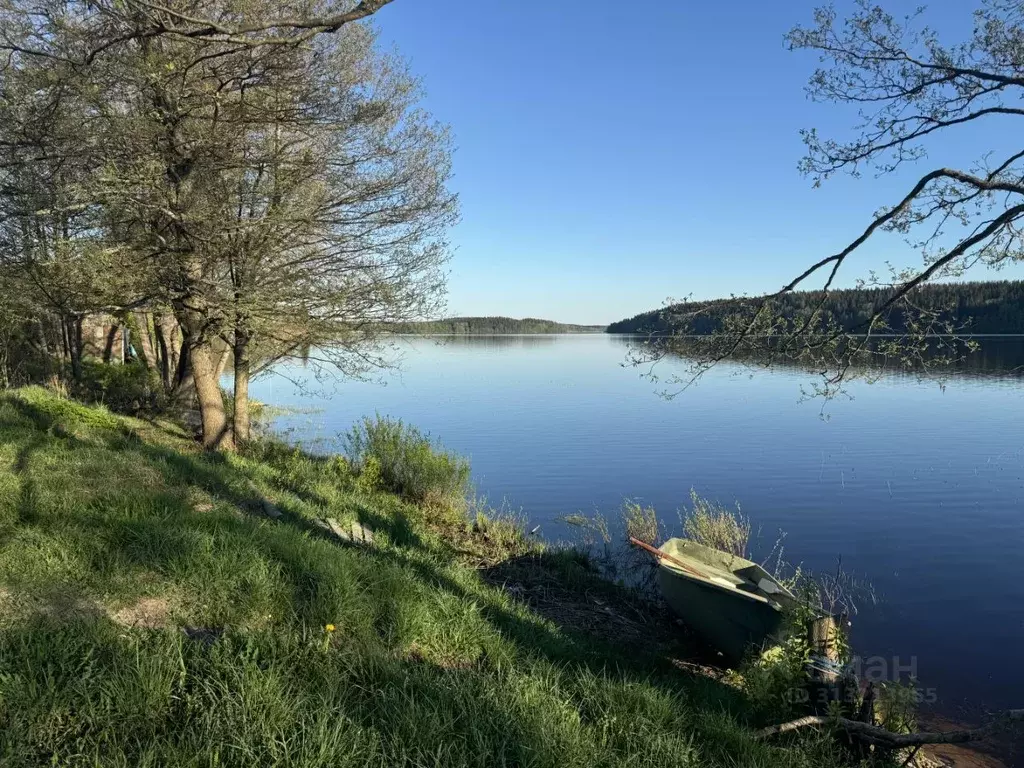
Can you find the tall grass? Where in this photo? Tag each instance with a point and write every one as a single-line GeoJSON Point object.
{"type": "Point", "coordinates": [606, 543]}
{"type": "Point", "coordinates": [641, 522]}
{"type": "Point", "coordinates": [713, 525]}
{"type": "Point", "coordinates": [405, 461]}
{"type": "Point", "coordinates": [503, 531]}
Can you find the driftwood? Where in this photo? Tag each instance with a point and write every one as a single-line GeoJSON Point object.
{"type": "Point", "coordinates": [878, 736]}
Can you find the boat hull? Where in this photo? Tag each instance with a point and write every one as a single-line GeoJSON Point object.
{"type": "Point", "coordinates": [729, 619]}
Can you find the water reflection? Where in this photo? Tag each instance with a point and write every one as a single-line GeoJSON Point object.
{"type": "Point", "coordinates": [995, 357]}
{"type": "Point", "coordinates": [495, 341]}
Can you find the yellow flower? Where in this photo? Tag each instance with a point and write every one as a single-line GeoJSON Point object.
{"type": "Point", "coordinates": [330, 627]}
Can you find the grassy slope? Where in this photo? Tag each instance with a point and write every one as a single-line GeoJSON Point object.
{"type": "Point", "coordinates": [116, 535]}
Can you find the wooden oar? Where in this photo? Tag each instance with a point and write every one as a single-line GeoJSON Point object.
{"type": "Point", "coordinates": [665, 556]}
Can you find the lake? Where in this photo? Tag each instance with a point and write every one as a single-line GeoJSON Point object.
{"type": "Point", "coordinates": [917, 487]}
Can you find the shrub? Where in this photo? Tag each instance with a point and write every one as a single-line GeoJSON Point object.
{"type": "Point", "coordinates": [774, 680]}
{"type": "Point", "coordinates": [408, 462]}
{"type": "Point", "coordinates": [369, 480]}
{"type": "Point", "coordinates": [714, 526]}
{"type": "Point", "coordinates": [125, 388]}
{"type": "Point", "coordinates": [897, 705]}
{"type": "Point", "coordinates": [341, 468]}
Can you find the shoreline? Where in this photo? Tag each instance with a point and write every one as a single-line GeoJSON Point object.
{"type": "Point", "coordinates": [168, 551]}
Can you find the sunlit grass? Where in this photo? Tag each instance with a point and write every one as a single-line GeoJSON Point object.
{"type": "Point", "coordinates": [151, 615]}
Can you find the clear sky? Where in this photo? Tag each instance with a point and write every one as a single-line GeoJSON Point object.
{"type": "Point", "coordinates": [611, 155]}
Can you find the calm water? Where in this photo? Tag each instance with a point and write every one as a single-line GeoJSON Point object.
{"type": "Point", "coordinates": [917, 487]}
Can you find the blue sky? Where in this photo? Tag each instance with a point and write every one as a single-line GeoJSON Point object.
{"type": "Point", "coordinates": [611, 155]}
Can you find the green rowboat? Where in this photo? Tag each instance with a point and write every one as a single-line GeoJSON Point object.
{"type": "Point", "coordinates": [731, 602]}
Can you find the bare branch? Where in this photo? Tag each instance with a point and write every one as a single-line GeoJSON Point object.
{"type": "Point", "coordinates": [874, 734]}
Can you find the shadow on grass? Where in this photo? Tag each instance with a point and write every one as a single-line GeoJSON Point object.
{"type": "Point", "coordinates": [297, 704]}
{"type": "Point", "coordinates": [179, 536]}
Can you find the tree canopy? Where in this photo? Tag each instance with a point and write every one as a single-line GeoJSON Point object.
{"type": "Point", "coordinates": [246, 176]}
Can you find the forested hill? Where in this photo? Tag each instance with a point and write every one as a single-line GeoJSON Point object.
{"type": "Point", "coordinates": [483, 325]}
{"type": "Point", "coordinates": [983, 307]}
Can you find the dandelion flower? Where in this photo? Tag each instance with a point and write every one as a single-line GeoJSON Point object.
{"type": "Point", "coordinates": [330, 627]}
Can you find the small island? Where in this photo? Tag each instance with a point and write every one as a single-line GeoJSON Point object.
{"type": "Point", "coordinates": [467, 326]}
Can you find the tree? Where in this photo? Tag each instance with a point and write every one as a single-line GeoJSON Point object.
{"type": "Point", "coordinates": [339, 208]}
{"type": "Point", "coordinates": [49, 245]}
{"type": "Point", "coordinates": [265, 175]}
{"type": "Point", "coordinates": [118, 23]}
{"type": "Point", "coordinates": [910, 89]}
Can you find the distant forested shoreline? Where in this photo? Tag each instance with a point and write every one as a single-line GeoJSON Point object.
{"type": "Point", "coordinates": [484, 325]}
{"type": "Point", "coordinates": [991, 307]}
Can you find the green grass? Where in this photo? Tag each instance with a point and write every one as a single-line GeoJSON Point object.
{"type": "Point", "coordinates": [403, 460]}
{"type": "Point", "coordinates": [715, 526]}
{"type": "Point", "coordinates": [149, 615]}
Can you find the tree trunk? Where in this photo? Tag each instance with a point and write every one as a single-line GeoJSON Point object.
{"type": "Point", "coordinates": [241, 420]}
{"type": "Point", "coordinates": [199, 358]}
{"type": "Point", "coordinates": [167, 353]}
{"type": "Point", "coordinates": [44, 344]}
{"type": "Point", "coordinates": [216, 431]}
{"type": "Point", "coordinates": [146, 349]}
{"type": "Point", "coordinates": [172, 351]}
{"type": "Point", "coordinates": [108, 347]}
{"type": "Point", "coordinates": [74, 333]}
{"type": "Point", "coordinates": [222, 361]}
{"type": "Point", "coordinates": [162, 355]}
{"type": "Point", "coordinates": [197, 324]}
{"type": "Point", "coordinates": [65, 338]}
{"type": "Point", "coordinates": [183, 380]}
{"type": "Point", "coordinates": [78, 341]}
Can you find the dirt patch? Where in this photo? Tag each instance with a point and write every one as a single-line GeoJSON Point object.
{"type": "Point", "coordinates": [148, 613]}
{"type": "Point", "coordinates": [198, 499]}
{"type": "Point", "coordinates": [589, 605]}
{"type": "Point", "coordinates": [998, 751]}
{"type": "Point", "coordinates": [952, 756]}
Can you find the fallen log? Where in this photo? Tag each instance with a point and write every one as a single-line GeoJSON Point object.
{"type": "Point", "coordinates": [878, 736]}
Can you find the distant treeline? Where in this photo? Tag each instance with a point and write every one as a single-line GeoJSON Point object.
{"type": "Point", "coordinates": [473, 325]}
{"type": "Point", "coordinates": [976, 307]}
